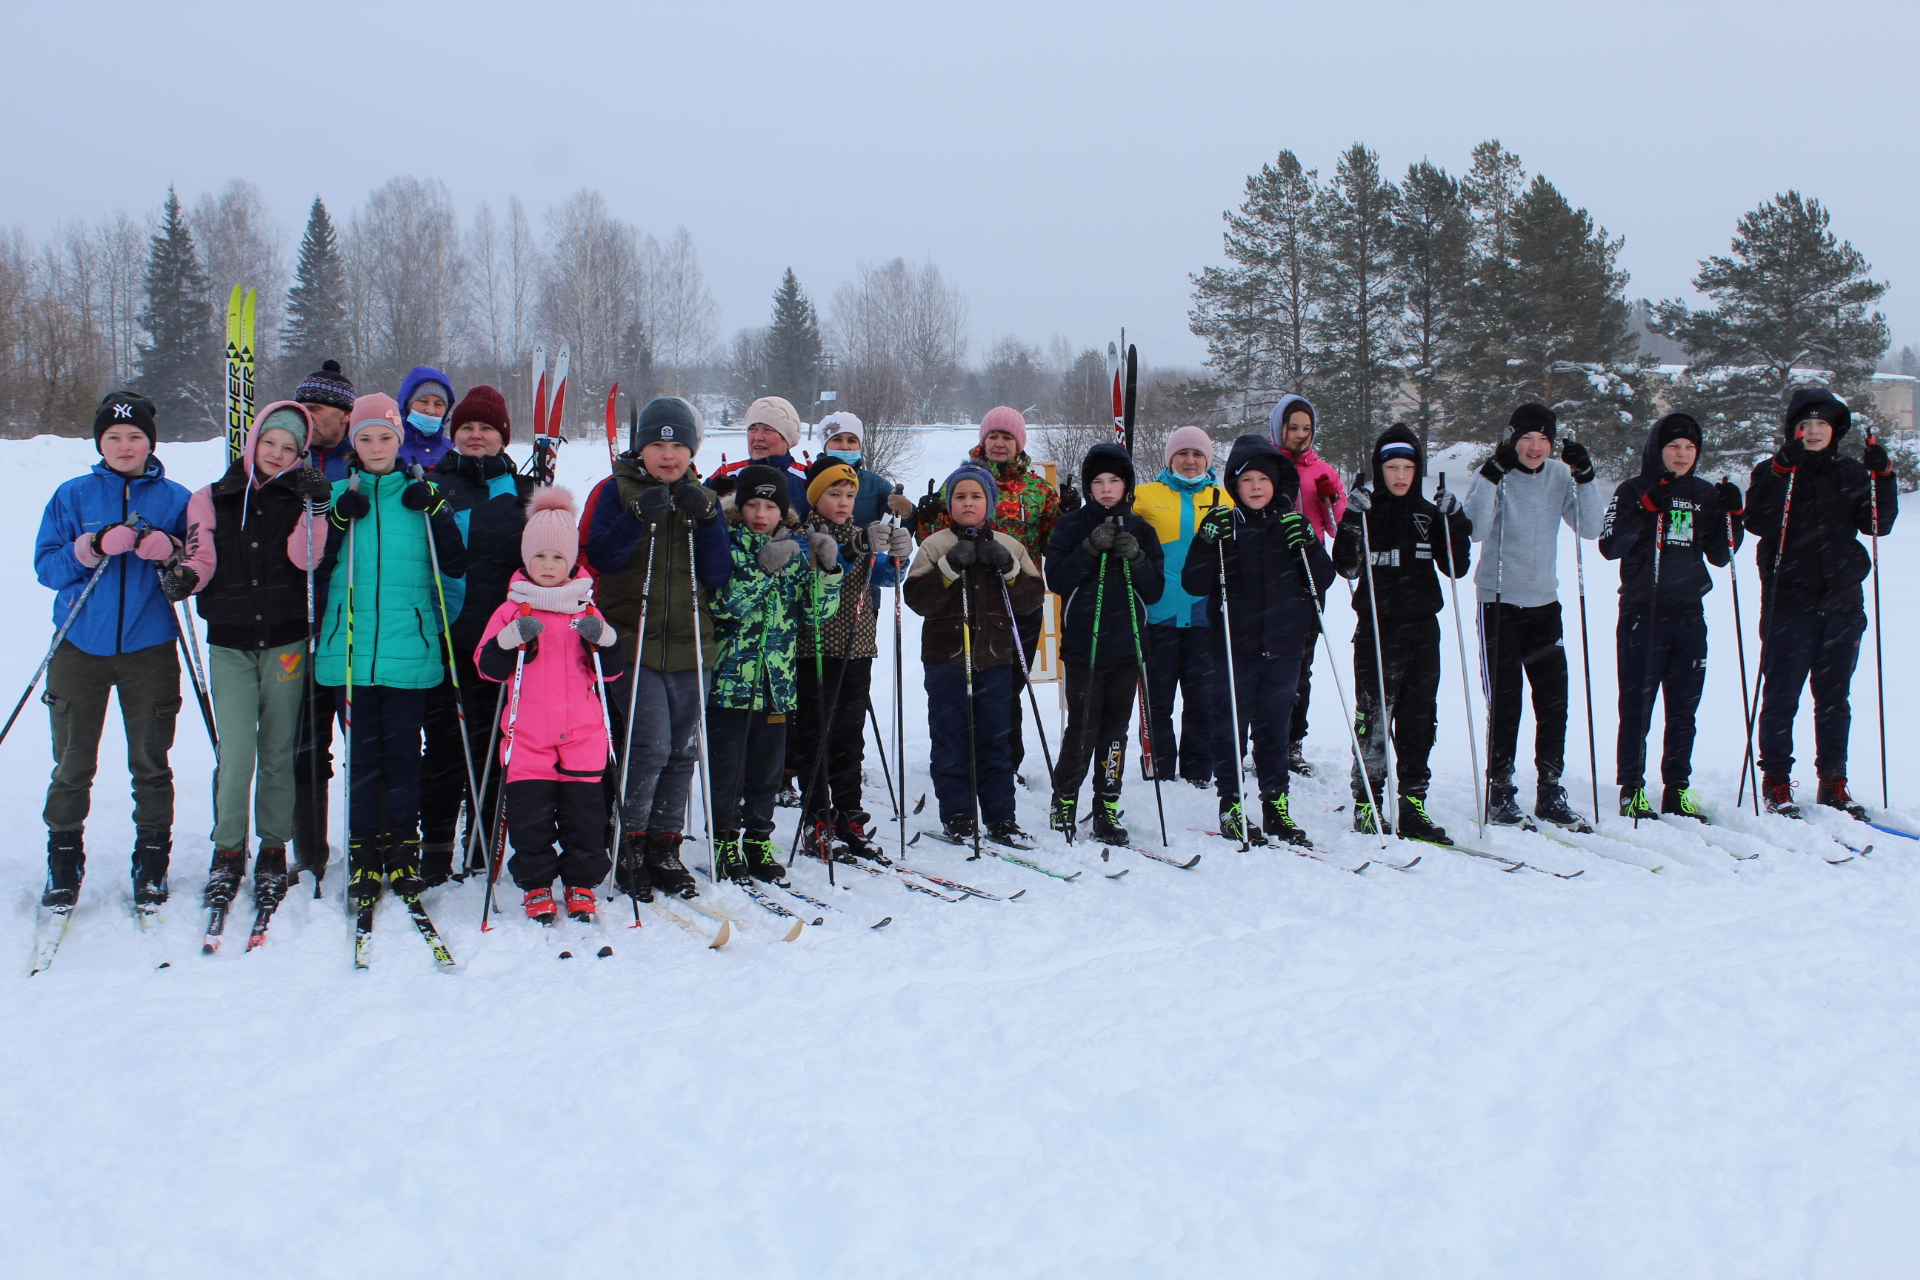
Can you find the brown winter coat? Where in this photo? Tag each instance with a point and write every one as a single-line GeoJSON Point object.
{"type": "Point", "coordinates": [931, 594]}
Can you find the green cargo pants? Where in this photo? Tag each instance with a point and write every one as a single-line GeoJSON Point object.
{"type": "Point", "coordinates": [77, 687]}
{"type": "Point", "coordinates": [256, 708]}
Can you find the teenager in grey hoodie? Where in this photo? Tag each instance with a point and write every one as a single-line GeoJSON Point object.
{"type": "Point", "coordinates": [1517, 504]}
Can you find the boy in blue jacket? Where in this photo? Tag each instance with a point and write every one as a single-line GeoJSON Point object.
{"type": "Point", "coordinates": [118, 523]}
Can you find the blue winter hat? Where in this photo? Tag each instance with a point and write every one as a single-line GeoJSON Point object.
{"type": "Point", "coordinates": [417, 381]}
{"type": "Point", "coordinates": [968, 471]}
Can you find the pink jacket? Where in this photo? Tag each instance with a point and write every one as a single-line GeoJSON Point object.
{"type": "Point", "coordinates": [558, 731]}
{"type": "Point", "coordinates": [1317, 477]}
{"type": "Point", "coordinates": [197, 550]}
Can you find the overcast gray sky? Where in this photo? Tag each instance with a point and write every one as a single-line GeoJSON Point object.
{"type": "Point", "coordinates": [1065, 164]}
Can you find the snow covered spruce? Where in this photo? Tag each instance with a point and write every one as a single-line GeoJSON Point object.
{"type": "Point", "coordinates": [598, 692]}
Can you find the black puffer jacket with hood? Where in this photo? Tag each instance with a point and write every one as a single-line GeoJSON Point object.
{"type": "Point", "coordinates": [1408, 539]}
{"type": "Point", "coordinates": [1696, 529]}
{"type": "Point", "coordinates": [1083, 579]}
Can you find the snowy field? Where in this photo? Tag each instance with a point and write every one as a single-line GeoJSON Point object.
{"type": "Point", "coordinates": [1263, 1066]}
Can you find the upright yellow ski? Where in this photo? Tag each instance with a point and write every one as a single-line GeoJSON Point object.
{"type": "Point", "coordinates": [240, 334]}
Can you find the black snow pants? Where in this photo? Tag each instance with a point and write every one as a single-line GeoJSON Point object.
{"type": "Point", "coordinates": [1410, 647]}
{"type": "Point", "coordinates": [1180, 660]}
{"type": "Point", "coordinates": [1679, 658]}
{"type": "Point", "coordinates": [1515, 640]}
{"type": "Point", "coordinates": [1823, 648]}
{"type": "Point", "coordinates": [746, 750]}
{"type": "Point", "coordinates": [542, 813]}
{"type": "Point", "coordinates": [1264, 689]}
{"type": "Point", "coordinates": [1099, 703]}
{"type": "Point", "coordinates": [845, 740]}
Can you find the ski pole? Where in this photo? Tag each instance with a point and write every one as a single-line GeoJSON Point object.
{"type": "Point", "coordinates": [974, 811]}
{"type": "Point", "coordinates": [419, 474]}
{"type": "Point", "coordinates": [700, 681]}
{"type": "Point", "coordinates": [1490, 645]}
{"type": "Point", "coordinates": [899, 700]}
{"type": "Point", "coordinates": [880, 744]}
{"type": "Point", "coordinates": [1333, 667]}
{"type": "Point", "coordinates": [313, 750]}
{"type": "Point", "coordinates": [1140, 660]}
{"type": "Point", "coordinates": [1879, 663]}
{"type": "Point", "coordinates": [53, 648]}
{"type": "Point", "coordinates": [1768, 610]}
{"type": "Point", "coordinates": [346, 717]}
{"type": "Point", "coordinates": [1019, 652]}
{"type": "Point", "coordinates": [1740, 645]}
{"type": "Point", "coordinates": [1648, 685]}
{"type": "Point", "coordinates": [600, 688]}
{"type": "Point", "coordinates": [1233, 691]}
{"type": "Point", "coordinates": [1460, 639]}
{"type": "Point", "coordinates": [809, 798]}
{"type": "Point", "coordinates": [1586, 662]}
{"type": "Point", "coordinates": [497, 855]}
{"type": "Point", "coordinates": [633, 701]}
{"type": "Point", "coordinates": [190, 645]}
{"type": "Point", "coordinates": [1383, 722]}
{"type": "Point", "coordinates": [1093, 656]}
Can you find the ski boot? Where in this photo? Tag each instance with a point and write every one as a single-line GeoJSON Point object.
{"type": "Point", "coordinates": [1234, 824]}
{"type": "Point", "coordinates": [1277, 821]}
{"type": "Point", "coordinates": [1776, 789]}
{"type": "Point", "coordinates": [728, 863]}
{"type": "Point", "coordinates": [789, 797]}
{"type": "Point", "coordinates": [1366, 819]}
{"type": "Point", "coordinates": [1008, 834]}
{"type": "Point", "coordinates": [1833, 794]}
{"type": "Point", "coordinates": [224, 877]}
{"type": "Point", "coordinates": [1502, 810]}
{"type": "Point", "coordinates": [403, 866]}
{"type": "Point", "coordinates": [436, 864]}
{"type": "Point", "coordinates": [1414, 823]}
{"type": "Point", "coordinates": [310, 848]}
{"type": "Point", "coordinates": [66, 865]}
{"type": "Point", "coordinates": [669, 874]}
{"type": "Point", "coordinates": [1061, 817]}
{"type": "Point", "coordinates": [270, 876]}
{"type": "Point", "coordinates": [539, 905]}
{"type": "Point", "coordinates": [152, 848]}
{"type": "Point", "coordinates": [959, 830]}
{"type": "Point", "coordinates": [763, 860]}
{"type": "Point", "coordinates": [630, 868]}
{"type": "Point", "coordinates": [1680, 800]}
{"type": "Point", "coordinates": [851, 829]}
{"type": "Point", "coordinates": [1550, 805]}
{"type": "Point", "coordinates": [1634, 804]}
{"type": "Point", "coordinates": [366, 868]}
{"type": "Point", "coordinates": [1106, 821]}
{"type": "Point", "coordinates": [580, 904]}
{"type": "Point", "coordinates": [1297, 759]}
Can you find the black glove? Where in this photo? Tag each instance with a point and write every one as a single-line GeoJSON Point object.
{"type": "Point", "coordinates": [1298, 532]}
{"type": "Point", "coordinates": [1126, 546]}
{"type": "Point", "coordinates": [352, 504]}
{"type": "Point", "coordinates": [653, 505]}
{"type": "Point", "coordinates": [177, 583]}
{"type": "Point", "coordinates": [1216, 525]}
{"type": "Point", "coordinates": [1069, 496]}
{"type": "Point", "coordinates": [928, 513]}
{"type": "Point", "coordinates": [993, 556]}
{"type": "Point", "coordinates": [962, 555]}
{"type": "Point", "coordinates": [422, 495]}
{"type": "Point", "coordinates": [1505, 458]}
{"type": "Point", "coordinates": [1100, 541]}
{"type": "Point", "coordinates": [694, 502]}
{"type": "Point", "coordinates": [313, 485]}
{"type": "Point", "coordinates": [1876, 459]}
{"type": "Point", "coordinates": [1575, 455]}
{"type": "Point", "coordinates": [1792, 455]}
{"type": "Point", "coordinates": [1731, 503]}
{"type": "Point", "coordinates": [1659, 496]}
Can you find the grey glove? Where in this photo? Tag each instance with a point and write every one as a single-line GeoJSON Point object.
{"type": "Point", "coordinates": [899, 541]}
{"type": "Point", "coordinates": [1447, 503]}
{"type": "Point", "coordinates": [1359, 500]}
{"type": "Point", "coordinates": [826, 552]}
{"type": "Point", "coordinates": [779, 551]}
{"type": "Point", "coordinates": [879, 537]}
{"type": "Point", "coordinates": [595, 631]}
{"type": "Point", "coordinates": [521, 631]}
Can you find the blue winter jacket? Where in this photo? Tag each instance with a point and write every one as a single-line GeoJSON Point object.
{"type": "Point", "coordinates": [126, 611]}
{"type": "Point", "coordinates": [422, 447]}
{"type": "Point", "coordinates": [869, 505]}
{"type": "Point", "coordinates": [1174, 506]}
{"type": "Point", "coordinates": [333, 461]}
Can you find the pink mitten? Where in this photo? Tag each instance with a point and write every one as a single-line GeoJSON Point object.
{"type": "Point", "coordinates": [155, 546]}
{"type": "Point", "coordinates": [117, 541]}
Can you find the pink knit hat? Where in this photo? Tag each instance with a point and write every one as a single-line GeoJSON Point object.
{"type": "Point", "coordinates": [375, 407]}
{"type": "Point", "coordinates": [1001, 418]}
{"type": "Point", "coordinates": [551, 526]}
{"type": "Point", "coordinates": [1187, 438]}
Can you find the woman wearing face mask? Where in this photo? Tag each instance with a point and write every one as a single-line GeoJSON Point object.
{"type": "Point", "coordinates": [489, 504]}
{"type": "Point", "coordinates": [426, 396]}
{"type": "Point", "coordinates": [249, 536]}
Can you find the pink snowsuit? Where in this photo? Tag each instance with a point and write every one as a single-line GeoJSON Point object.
{"type": "Point", "coordinates": [559, 731]}
{"type": "Point", "coordinates": [1316, 474]}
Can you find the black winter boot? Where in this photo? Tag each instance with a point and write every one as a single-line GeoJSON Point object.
{"type": "Point", "coordinates": [1680, 800]}
{"type": "Point", "coordinates": [1276, 819]}
{"type": "Point", "coordinates": [630, 875]}
{"type": "Point", "coordinates": [728, 863]}
{"type": "Point", "coordinates": [310, 850]}
{"type": "Point", "coordinates": [855, 833]}
{"type": "Point", "coordinates": [1007, 833]}
{"type": "Point", "coordinates": [1234, 825]}
{"type": "Point", "coordinates": [224, 877]}
{"type": "Point", "coordinates": [66, 865]}
{"type": "Point", "coordinates": [152, 850]}
{"type": "Point", "coordinates": [1106, 821]}
{"type": "Point", "coordinates": [1776, 789]}
{"type": "Point", "coordinates": [1634, 804]}
{"type": "Point", "coordinates": [1550, 805]}
{"type": "Point", "coordinates": [436, 864]}
{"type": "Point", "coordinates": [270, 876]}
{"type": "Point", "coordinates": [1416, 825]}
{"type": "Point", "coordinates": [1502, 809]}
{"type": "Point", "coordinates": [1061, 816]}
{"type": "Point", "coordinates": [1297, 759]}
{"type": "Point", "coordinates": [763, 860]}
{"type": "Point", "coordinates": [669, 874]}
{"type": "Point", "coordinates": [1833, 794]}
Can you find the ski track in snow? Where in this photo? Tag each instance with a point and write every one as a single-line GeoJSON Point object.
{"type": "Point", "coordinates": [1262, 1066]}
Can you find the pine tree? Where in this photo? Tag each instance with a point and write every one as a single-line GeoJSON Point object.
{"type": "Point", "coordinates": [1357, 324]}
{"type": "Point", "coordinates": [316, 326]}
{"type": "Point", "coordinates": [1491, 189]}
{"type": "Point", "coordinates": [180, 362]}
{"type": "Point", "coordinates": [793, 346]}
{"type": "Point", "coordinates": [1256, 314]}
{"type": "Point", "coordinates": [1432, 245]}
{"type": "Point", "coordinates": [1791, 306]}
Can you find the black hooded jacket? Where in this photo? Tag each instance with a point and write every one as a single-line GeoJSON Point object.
{"type": "Point", "coordinates": [1833, 501]}
{"type": "Point", "coordinates": [1697, 533]}
{"type": "Point", "coordinates": [1409, 541]}
{"type": "Point", "coordinates": [1267, 592]}
{"type": "Point", "coordinates": [1083, 580]}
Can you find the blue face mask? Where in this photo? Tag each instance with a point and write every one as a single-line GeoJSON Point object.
{"type": "Point", "coordinates": [851, 459]}
{"type": "Point", "coordinates": [425, 423]}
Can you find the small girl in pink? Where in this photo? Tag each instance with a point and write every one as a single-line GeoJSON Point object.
{"type": "Point", "coordinates": [557, 726]}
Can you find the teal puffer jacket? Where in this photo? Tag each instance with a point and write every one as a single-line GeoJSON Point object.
{"type": "Point", "coordinates": [397, 634]}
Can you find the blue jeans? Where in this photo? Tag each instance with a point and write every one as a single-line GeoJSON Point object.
{"type": "Point", "coordinates": [953, 784]}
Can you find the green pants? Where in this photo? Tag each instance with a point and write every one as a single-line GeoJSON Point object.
{"type": "Point", "coordinates": [256, 708]}
{"type": "Point", "coordinates": [78, 683]}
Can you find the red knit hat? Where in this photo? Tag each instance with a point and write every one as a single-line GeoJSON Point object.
{"type": "Point", "coordinates": [483, 404]}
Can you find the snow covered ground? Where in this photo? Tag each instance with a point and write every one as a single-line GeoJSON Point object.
{"type": "Point", "coordinates": [1262, 1066]}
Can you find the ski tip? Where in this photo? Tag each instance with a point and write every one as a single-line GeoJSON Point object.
{"type": "Point", "coordinates": [915, 840]}
{"type": "Point", "coordinates": [566, 955]}
{"type": "Point", "coordinates": [1121, 872]}
{"type": "Point", "coordinates": [1074, 876]}
{"type": "Point", "coordinates": [164, 964]}
{"type": "Point", "coordinates": [210, 947]}
{"type": "Point", "coordinates": [883, 922]}
{"type": "Point", "coordinates": [604, 952]}
{"type": "Point", "coordinates": [799, 926]}
{"type": "Point", "coordinates": [921, 803]}
{"type": "Point", "coordinates": [1015, 897]}
{"type": "Point", "coordinates": [725, 935]}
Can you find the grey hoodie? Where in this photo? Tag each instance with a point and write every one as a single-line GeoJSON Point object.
{"type": "Point", "coordinates": [1518, 523]}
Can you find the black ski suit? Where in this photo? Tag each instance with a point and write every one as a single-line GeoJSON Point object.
{"type": "Point", "coordinates": [1411, 547]}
